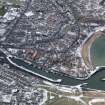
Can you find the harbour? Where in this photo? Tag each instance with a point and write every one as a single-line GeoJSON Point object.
{"type": "Point", "coordinates": [91, 82]}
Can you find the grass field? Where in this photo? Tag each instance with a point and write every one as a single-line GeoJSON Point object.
{"type": "Point", "coordinates": [11, 1]}
{"type": "Point", "coordinates": [15, 3]}
{"type": "Point", "coordinates": [65, 101]}
{"type": "Point", "coordinates": [2, 11]}
{"type": "Point", "coordinates": [59, 97]}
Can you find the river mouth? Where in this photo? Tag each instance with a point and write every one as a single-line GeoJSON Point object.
{"type": "Point", "coordinates": [97, 52]}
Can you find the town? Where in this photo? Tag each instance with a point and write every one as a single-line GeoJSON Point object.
{"type": "Point", "coordinates": [50, 35]}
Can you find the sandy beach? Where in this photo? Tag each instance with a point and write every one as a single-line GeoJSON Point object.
{"type": "Point", "coordinates": [85, 52]}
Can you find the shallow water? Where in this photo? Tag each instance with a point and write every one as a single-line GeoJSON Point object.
{"type": "Point", "coordinates": [98, 52]}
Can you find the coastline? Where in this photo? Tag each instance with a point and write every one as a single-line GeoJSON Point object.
{"type": "Point", "coordinates": [86, 46]}
{"type": "Point", "coordinates": [87, 82]}
{"type": "Point", "coordinates": [22, 67]}
{"type": "Point", "coordinates": [84, 51]}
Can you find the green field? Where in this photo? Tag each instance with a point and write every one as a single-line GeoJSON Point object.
{"type": "Point", "coordinates": [66, 101]}
{"type": "Point", "coordinates": [60, 97]}
{"type": "Point", "coordinates": [3, 3]}
{"type": "Point", "coordinates": [2, 11]}
{"type": "Point", "coordinates": [11, 1]}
